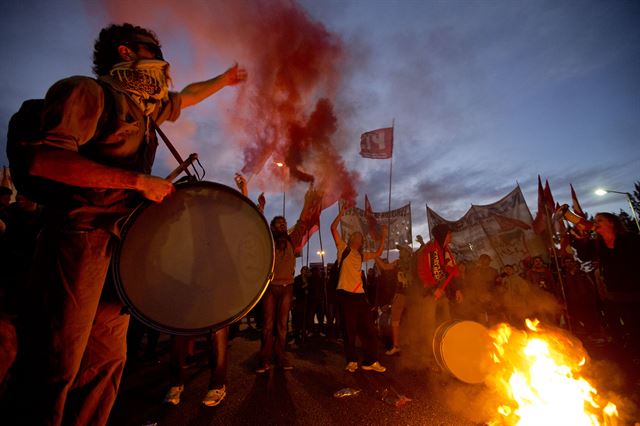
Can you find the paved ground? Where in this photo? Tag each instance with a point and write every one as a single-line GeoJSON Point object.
{"type": "Point", "coordinates": [303, 396]}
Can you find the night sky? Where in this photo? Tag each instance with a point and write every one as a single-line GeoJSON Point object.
{"type": "Point", "coordinates": [484, 94]}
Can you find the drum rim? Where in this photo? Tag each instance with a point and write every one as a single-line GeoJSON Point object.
{"type": "Point", "coordinates": [163, 328]}
{"type": "Point", "coordinates": [441, 332]}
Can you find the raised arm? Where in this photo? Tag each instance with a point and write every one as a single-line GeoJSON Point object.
{"type": "Point", "coordinates": [243, 187]}
{"type": "Point", "coordinates": [197, 92]}
{"type": "Point", "coordinates": [372, 255]}
{"type": "Point", "coordinates": [386, 266]}
{"type": "Point", "coordinates": [241, 183]}
{"type": "Point", "coordinates": [334, 225]}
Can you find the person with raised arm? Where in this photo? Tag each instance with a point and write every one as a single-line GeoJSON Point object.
{"type": "Point", "coordinates": [359, 316]}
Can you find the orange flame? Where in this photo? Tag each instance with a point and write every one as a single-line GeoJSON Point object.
{"type": "Point", "coordinates": [538, 376]}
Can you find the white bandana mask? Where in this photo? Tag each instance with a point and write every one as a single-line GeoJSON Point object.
{"type": "Point", "coordinates": [146, 80]}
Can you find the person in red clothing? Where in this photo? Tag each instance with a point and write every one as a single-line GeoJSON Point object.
{"type": "Point", "coordinates": [436, 269]}
{"type": "Point", "coordinates": [615, 253]}
{"type": "Point", "coordinates": [436, 263]}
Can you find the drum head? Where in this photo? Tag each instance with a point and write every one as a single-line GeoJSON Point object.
{"type": "Point", "coordinates": [198, 261]}
{"type": "Point", "coordinates": [463, 348]}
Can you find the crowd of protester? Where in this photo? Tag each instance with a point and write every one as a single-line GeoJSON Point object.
{"type": "Point", "coordinates": [397, 304]}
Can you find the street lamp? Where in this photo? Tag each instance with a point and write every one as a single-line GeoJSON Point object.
{"type": "Point", "coordinates": [280, 165]}
{"type": "Point", "coordinates": [601, 192]}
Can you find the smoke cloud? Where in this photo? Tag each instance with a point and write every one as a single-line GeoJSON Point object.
{"type": "Point", "coordinates": [284, 112]}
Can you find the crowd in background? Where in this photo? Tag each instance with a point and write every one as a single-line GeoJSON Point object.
{"type": "Point", "coordinates": [397, 300]}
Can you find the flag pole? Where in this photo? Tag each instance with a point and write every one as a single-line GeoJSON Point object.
{"type": "Point", "coordinates": [557, 265]}
{"type": "Point", "coordinates": [493, 247]}
{"type": "Point", "coordinates": [426, 205]}
{"type": "Point", "coordinates": [393, 123]}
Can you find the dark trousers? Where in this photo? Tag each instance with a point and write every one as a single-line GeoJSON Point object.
{"type": "Point", "coordinates": [216, 353]}
{"type": "Point", "coordinates": [334, 316]}
{"type": "Point", "coordinates": [315, 309]}
{"type": "Point", "coordinates": [75, 337]}
{"type": "Point", "coordinates": [359, 321]}
{"type": "Point", "coordinates": [276, 304]}
{"type": "Point", "coordinates": [135, 334]}
{"type": "Point", "coordinates": [298, 314]}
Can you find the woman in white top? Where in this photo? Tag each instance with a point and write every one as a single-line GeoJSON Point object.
{"type": "Point", "coordinates": [359, 316]}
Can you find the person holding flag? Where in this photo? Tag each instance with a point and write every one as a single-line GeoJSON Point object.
{"type": "Point", "coordinates": [276, 301]}
{"type": "Point", "coordinates": [357, 313]}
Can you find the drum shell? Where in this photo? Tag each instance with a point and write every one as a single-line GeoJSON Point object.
{"type": "Point", "coordinates": [207, 228]}
{"type": "Point", "coordinates": [462, 349]}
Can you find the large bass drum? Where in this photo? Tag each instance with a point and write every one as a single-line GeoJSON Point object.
{"type": "Point", "coordinates": [198, 261]}
{"type": "Point", "coordinates": [463, 348]}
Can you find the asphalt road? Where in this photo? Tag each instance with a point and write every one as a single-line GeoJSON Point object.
{"type": "Point", "coordinates": [303, 396]}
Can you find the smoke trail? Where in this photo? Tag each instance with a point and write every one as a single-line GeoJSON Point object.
{"type": "Point", "coordinates": [284, 112]}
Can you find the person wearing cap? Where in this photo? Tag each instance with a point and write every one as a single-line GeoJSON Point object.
{"type": "Point", "coordinates": [98, 140]}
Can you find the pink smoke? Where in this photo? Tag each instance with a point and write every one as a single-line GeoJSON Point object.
{"type": "Point", "coordinates": [284, 111]}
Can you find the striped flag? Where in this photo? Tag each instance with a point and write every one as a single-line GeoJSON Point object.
{"type": "Point", "coordinates": [377, 144]}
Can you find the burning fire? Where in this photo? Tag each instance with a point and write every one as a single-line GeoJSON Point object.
{"type": "Point", "coordinates": [538, 378]}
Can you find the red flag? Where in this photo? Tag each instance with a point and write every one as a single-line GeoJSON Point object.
{"type": "Point", "coordinates": [575, 205]}
{"type": "Point", "coordinates": [548, 198]}
{"type": "Point", "coordinates": [372, 223]}
{"type": "Point", "coordinates": [539, 223]}
{"type": "Point", "coordinates": [310, 217]}
{"type": "Point", "coordinates": [377, 143]}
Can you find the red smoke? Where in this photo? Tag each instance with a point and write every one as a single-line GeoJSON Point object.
{"type": "Point", "coordinates": [283, 112]}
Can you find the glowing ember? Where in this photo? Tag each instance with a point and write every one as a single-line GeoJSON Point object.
{"type": "Point", "coordinates": [538, 378]}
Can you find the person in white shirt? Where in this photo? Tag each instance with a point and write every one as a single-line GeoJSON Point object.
{"type": "Point", "coordinates": [359, 316]}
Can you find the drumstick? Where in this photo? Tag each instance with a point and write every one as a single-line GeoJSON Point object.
{"type": "Point", "coordinates": [182, 167]}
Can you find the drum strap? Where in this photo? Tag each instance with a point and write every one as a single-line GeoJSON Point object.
{"type": "Point", "coordinates": [345, 253]}
{"type": "Point", "coordinates": [167, 142]}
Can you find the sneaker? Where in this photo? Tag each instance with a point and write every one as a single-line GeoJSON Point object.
{"type": "Point", "coordinates": [374, 367]}
{"type": "Point", "coordinates": [263, 368]}
{"type": "Point", "coordinates": [173, 395]}
{"type": "Point", "coordinates": [214, 396]}
{"type": "Point", "coordinates": [394, 350]}
{"type": "Point", "coordinates": [351, 367]}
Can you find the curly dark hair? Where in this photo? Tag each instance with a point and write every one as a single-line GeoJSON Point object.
{"type": "Point", "coordinates": [105, 50]}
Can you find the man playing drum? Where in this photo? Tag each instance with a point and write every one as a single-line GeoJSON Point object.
{"type": "Point", "coordinates": [98, 145]}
